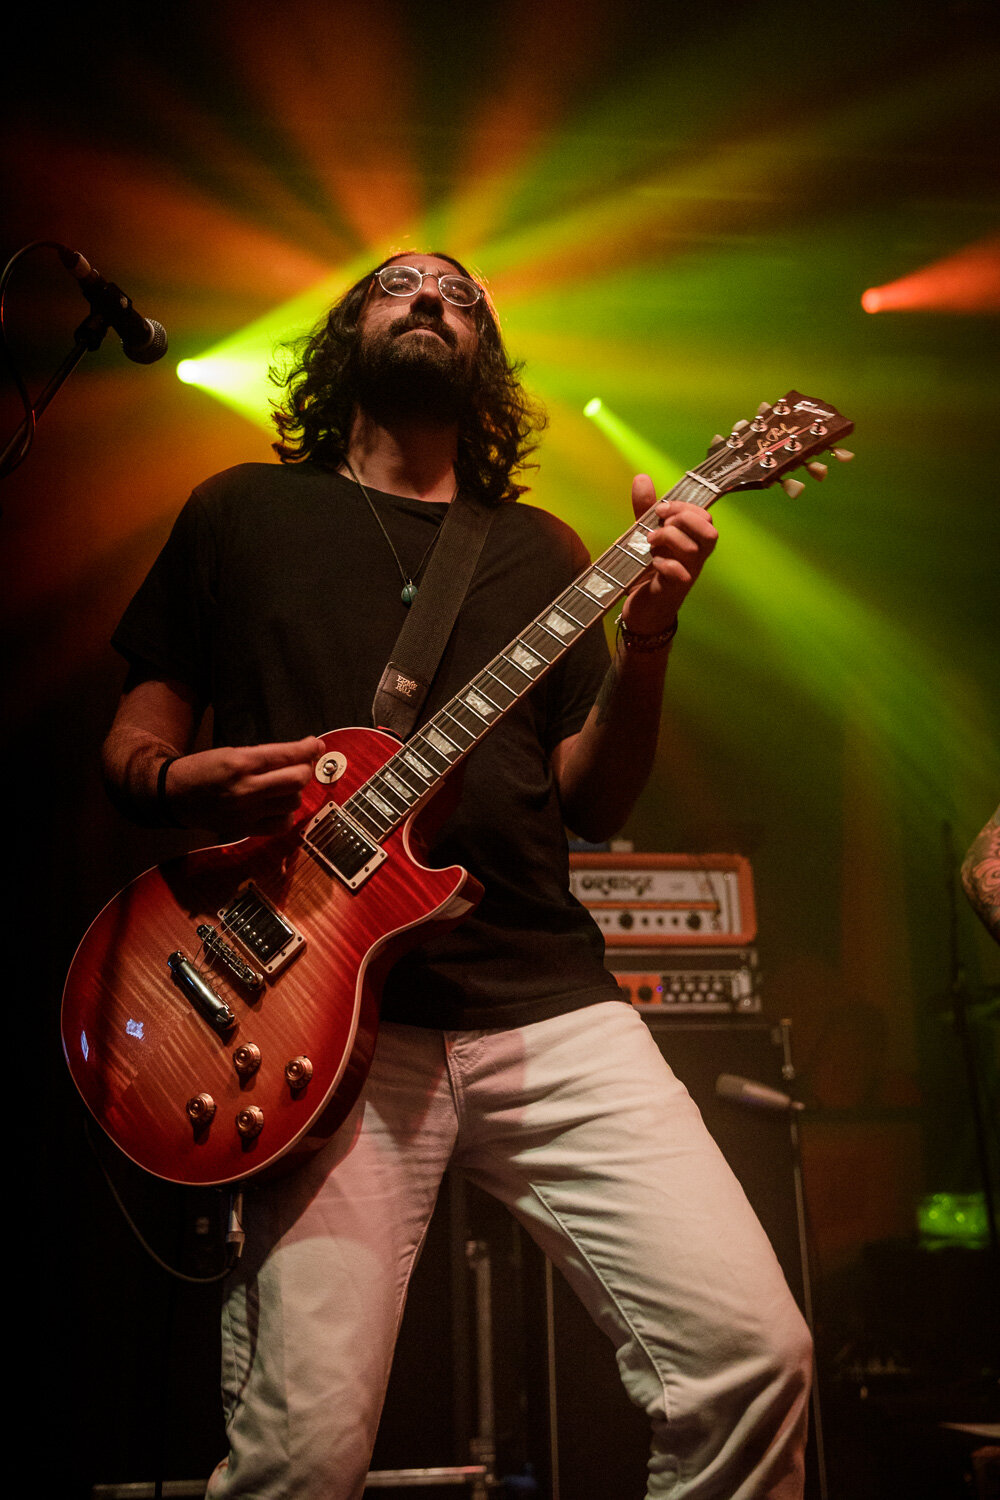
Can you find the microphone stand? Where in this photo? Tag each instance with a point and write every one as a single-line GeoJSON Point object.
{"type": "Point", "coordinates": [958, 994]}
{"type": "Point", "coordinates": [88, 337]}
{"type": "Point", "coordinates": [760, 1097]}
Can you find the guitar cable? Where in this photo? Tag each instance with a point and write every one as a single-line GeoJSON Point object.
{"type": "Point", "coordinates": [235, 1236]}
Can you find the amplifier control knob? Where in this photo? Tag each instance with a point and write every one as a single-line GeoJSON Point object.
{"type": "Point", "coordinates": [250, 1122]}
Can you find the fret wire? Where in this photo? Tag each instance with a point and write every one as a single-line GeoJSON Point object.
{"type": "Point", "coordinates": [561, 609]}
{"type": "Point", "coordinates": [402, 769]}
{"type": "Point", "coordinates": [364, 798]}
{"type": "Point", "coordinates": [428, 750]}
{"type": "Point", "coordinates": [402, 756]}
{"type": "Point", "coordinates": [560, 640]}
{"type": "Point", "coordinates": [447, 711]}
{"type": "Point", "coordinates": [535, 647]}
{"type": "Point", "coordinates": [437, 727]}
{"type": "Point", "coordinates": [596, 568]}
{"type": "Point", "coordinates": [633, 559]}
{"type": "Point", "coordinates": [366, 820]}
{"type": "Point", "coordinates": [617, 557]}
{"type": "Point", "coordinates": [591, 602]}
{"type": "Point", "coordinates": [385, 788]}
{"type": "Point", "coordinates": [478, 687]}
{"type": "Point", "coordinates": [523, 671]}
{"type": "Point", "coordinates": [469, 708]}
{"type": "Point", "coordinates": [488, 671]}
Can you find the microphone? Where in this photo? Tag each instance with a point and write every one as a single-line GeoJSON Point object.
{"type": "Point", "coordinates": [756, 1095]}
{"type": "Point", "coordinates": [143, 340]}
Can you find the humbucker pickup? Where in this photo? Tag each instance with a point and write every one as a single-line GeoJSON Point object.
{"type": "Point", "coordinates": [342, 846]}
{"type": "Point", "coordinates": [260, 929]}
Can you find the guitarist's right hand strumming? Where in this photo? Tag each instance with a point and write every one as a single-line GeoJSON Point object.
{"type": "Point", "coordinates": [230, 791]}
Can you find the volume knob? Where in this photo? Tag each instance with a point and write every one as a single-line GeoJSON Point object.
{"type": "Point", "coordinates": [250, 1122]}
{"type": "Point", "coordinates": [200, 1109]}
{"type": "Point", "coordinates": [246, 1059]}
{"type": "Point", "coordinates": [298, 1072]}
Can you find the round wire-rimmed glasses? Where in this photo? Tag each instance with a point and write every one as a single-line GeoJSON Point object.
{"type": "Point", "coordinates": [406, 281]}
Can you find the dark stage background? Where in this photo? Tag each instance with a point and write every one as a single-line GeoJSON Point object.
{"type": "Point", "coordinates": [678, 209]}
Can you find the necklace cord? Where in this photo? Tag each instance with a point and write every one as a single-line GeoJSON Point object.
{"type": "Point", "coordinates": [409, 590]}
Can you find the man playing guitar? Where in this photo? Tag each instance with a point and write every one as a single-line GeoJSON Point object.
{"type": "Point", "coordinates": [504, 1047]}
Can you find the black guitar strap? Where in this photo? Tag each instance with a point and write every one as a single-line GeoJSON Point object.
{"type": "Point", "coordinates": [431, 617]}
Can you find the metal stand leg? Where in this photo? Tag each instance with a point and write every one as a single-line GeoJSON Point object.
{"type": "Point", "coordinates": [479, 1474]}
{"type": "Point", "coordinates": [788, 1073]}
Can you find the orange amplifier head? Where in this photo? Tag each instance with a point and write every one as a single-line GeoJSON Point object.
{"type": "Point", "coordinates": [683, 900]}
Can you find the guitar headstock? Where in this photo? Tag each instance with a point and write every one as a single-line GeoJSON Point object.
{"type": "Point", "coordinates": [778, 439]}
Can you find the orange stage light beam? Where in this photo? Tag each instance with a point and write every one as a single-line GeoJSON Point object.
{"type": "Point", "coordinates": [968, 282]}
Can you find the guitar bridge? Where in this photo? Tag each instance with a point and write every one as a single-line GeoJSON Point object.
{"type": "Point", "coordinates": [225, 954]}
{"type": "Point", "coordinates": [260, 929]}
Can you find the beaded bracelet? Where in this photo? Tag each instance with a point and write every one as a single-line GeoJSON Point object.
{"type": "Point", "coordinates": [633, 640]}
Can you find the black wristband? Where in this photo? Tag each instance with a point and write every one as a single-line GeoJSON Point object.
{"type": "Point", "coordinates": [162, 810]}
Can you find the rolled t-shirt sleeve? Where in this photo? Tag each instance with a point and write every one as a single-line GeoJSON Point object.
{"type": "Point", "coordinates": [168, 626]}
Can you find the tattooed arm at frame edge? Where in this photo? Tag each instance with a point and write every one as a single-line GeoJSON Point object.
{"type": "Point", "coordinates": [981, 875]}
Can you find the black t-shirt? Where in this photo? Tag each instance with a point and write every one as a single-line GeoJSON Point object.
{"type": "Point", "coordinates": [277, 598]}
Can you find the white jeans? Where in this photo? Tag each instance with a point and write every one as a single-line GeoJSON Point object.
{"type": "Point", "coordinates": [580, 1127]}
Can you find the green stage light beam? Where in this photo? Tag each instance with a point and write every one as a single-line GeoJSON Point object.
{"type": "Point", "coordinates": [644, 456]}
{"type": "Point", "coordinates": [236, 371]}
{"type": "Point", "coordinates": [853, 660]}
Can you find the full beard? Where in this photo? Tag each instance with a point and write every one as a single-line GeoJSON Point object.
{"type": "Point", "coordinates": [401, 375]}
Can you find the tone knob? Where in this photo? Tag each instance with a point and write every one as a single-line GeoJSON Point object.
{"type": "Point", "coordinates": [200, 1109]}
{"type": "Point", "coordinates": [298, 1072]}
{"type": "Point", "coordinates": [250, 1122]}
{"type": "Point", "coordinates": [246, 1059]}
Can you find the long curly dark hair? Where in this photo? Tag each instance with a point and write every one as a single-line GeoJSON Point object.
{"type": "Point", "coordinates": [497, 433]}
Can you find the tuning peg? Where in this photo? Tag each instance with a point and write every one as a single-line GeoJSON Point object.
{"type": "Point", "coordinates": [792, 487]}
{"type": "Point", "coordinates": [844, 454]}
{"type": "Point", "coordinates": [740, 425]}
{"type": "Point", "coordinates": [762, 408]}
{"type": "Point", "coordinates": [818, 470]}
{"type": "Point", "coordinates": [718, 439]}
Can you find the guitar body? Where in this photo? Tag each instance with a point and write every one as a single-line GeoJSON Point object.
{"type": "Point", "coordinates": [141, 1041]}
{"type": "Point", "coordinates": [220, 1015]}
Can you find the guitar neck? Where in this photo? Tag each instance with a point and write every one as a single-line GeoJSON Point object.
{"type": "Point", "coordinates": [388, 797]}
{"type": "Point", "coordinates": [755, 454]}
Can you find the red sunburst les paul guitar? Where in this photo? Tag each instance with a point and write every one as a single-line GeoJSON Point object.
{"type": "Point", "coordinates": [220, 1015]}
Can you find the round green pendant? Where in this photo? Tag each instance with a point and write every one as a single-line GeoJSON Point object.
{"type": "Point", "coordinates": [409, 593]}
